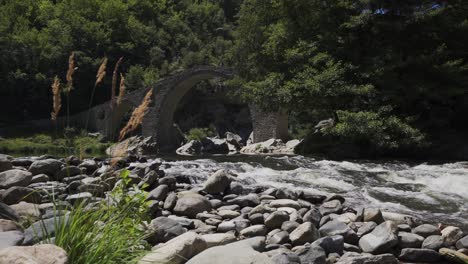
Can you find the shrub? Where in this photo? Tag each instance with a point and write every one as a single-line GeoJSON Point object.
{"type": "Point", "coordinates": [200, 133]}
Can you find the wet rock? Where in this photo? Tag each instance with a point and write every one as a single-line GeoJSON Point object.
{"type": "Point", "coordinates": [313, 215]}
{"type": "Point", "coordinates": [171, 182]}
{"type": "Point", "coordinates": [419, 255]}
{"type": "Point", "coordinates": [462, 243]}
{"type": "Point", "coordinates": [14, 177]}
{"type": "Point", "coordinates": [278, 238]}
{"type": "Point", "coordinates": [304, 233]}
{"type": "Point", "coordinates": [451, 235]}
{"type": "Point", "coordinates": [285, 203]}
{"type": "Point", "coordinates": [276, 219]}
{"type": "Point", "coordinates": [312, 254]}
{"type": "Point", "coordinates": [335, 227]}
{"type": "Point", "coordinates": [190, 204]}
{"type": "Point", "coordinates": [159, 193]}
{"type": "Point", "coordinates": [433, 242]}
{"type": "Point", "coordinates": [400, 218]}
{"type": "Point", "coordinates": [253, 231]}
{"type": "Point", "coordinates": [286, 258]}
{"type": "Point", "coordinates": [409, 240]}
{"type": "Point", "coordinates": [381, 240]}
{"type": "Point", "coordinates": [170, 202]}
{"type": "Point", "coordinates": [177, 250]}
{"type": "Point", "coordinates": [331, 244]}
{"type": "Point", "coordinates": [289, 226]}
{"type": "Point", "coordinates": [373, 215]}
{"type": "Point", "coordinates": [356, 258]}
{"type": "Point", "coordinates": [242, 252]}
{"type": "Point", "coordinates": [47, 166]}
{"type": "Point", "coordinates": [43, 229]}
{"type": "Point", "coordinates": [163, 229]}
{"type": "Point", "coordinates": [251, 200]}
{"type": "Point", "coordinates": [78, 198]}
{"type": "Point", "coordinates": [40, 178]}
{"type": "Point", "coordinates": [285, 194]}
{"type": "Point", "coordinates": [235, 188]}
{"type": "Point", "coordinates": [331, 207]}
{"type": "Point", "coordinates": [190, 148]}
{"type": "Point", "coordinates": [312, 197]}
{"type": "Point", "coordinates": [366, 228]}
{"type": "Point", "coordinates": [219, 239]}
{"type": "Point", "coordinates": [217, 182]}
{"type": "Point", "coordinates": [426, 230]}
{"type": "Point", "coordinates": [16, 194]}
{"type": "Point", "coordinates": [6, 212]}
{"type": "Point", "coordinates": [34, 254]}
{"type": "Point", "coordinates": [26, 210]}
{"type": "Point", "coordinates": [10, 238]}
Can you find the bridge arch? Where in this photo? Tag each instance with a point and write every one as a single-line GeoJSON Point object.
{"type": "Point", "coordinates": [168, 93]}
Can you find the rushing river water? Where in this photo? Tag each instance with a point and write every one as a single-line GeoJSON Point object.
{"type": "Point", "coordinates": [433, 192]}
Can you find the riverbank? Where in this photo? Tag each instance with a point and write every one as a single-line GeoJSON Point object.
{"type": "Point", "coordinates": [271, 209]}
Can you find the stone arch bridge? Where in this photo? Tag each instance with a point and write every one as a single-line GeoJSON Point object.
{"type": "Point", "coordinates": [167, 93]}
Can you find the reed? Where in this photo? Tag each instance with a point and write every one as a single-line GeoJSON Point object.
{"type": "Point", "coordinates": [57, 98]}
{"type": "Point", "coordinates": [69, 78]}
{"type": "Point", "coordinates": [121, 89]}
{"type": "Point", "coordinates": [114, 81]}
{"type": "Point", "coordinates": [137, 116]}
{"type": "Point", "coordinates": [101, 73]}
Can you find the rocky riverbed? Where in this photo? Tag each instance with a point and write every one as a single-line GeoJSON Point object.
{"type": "Point", "coordinates": [280, 210]}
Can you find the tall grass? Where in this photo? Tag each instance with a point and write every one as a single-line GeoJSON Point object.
{"type": "Point", "coordinates": [101, 73]}
{"type": "Point", "coordinates": [69, 77]}
{"type": "Point", "coordinates": [108, 232]}
{"type": "Point", "coordinates": [137, 116]}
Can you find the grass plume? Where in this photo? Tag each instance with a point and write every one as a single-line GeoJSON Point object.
{"type": "Point", "coordinates": [57, 104]}
{"type": "Point", "coordinates": [121, 89]}
{"type": "Point", "coordinates": [137, 116]}
{"type": "Point", "coordinates": [70, 71]}
{"type": "Point", "coordinates": [114, 81]}
{"type": "Point", "coordinates": [101, 72]}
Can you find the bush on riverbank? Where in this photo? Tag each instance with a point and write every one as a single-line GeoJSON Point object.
{"type": "Point", "coordinates": [41, 144]}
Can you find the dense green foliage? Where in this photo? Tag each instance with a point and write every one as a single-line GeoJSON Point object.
{"type": "Point", "coordinates": [200, 133]}
{"type": "Point", "coordinates": [44, 144]}
{"type": "Point", "coordinates": [395, 72]}
{"type": "Point", "coordinates": [109, 232]}
{"type": "Point", "coordinates": [154, 37]}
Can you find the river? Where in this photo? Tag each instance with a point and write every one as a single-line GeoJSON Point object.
{"type": "Point", "coordinates": [436, 193]}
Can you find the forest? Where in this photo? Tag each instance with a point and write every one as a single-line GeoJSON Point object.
{"type": "Point", "coordinates": [394, 73]}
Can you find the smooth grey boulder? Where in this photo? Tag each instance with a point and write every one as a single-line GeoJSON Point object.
{"type": "Point", "coordinates": [190, 204]}
{"type": "Point", "coordinates": [381, 240]}
{"type": "Point", "coordinates": [433, 242]}
{"type": "Point", "coordinates": [253, 231]}
{"type": "Point", "coordinates": [451, 235]}
{"type": "Point", "coordinates": [37, 254]}
{"type": "Point", "coordinates": [89, 166]}
{"type": "Point", "coordinates": [67, 171]}
{"type": "Point", "coordinates": [17, 194]}
{"type": "Point", "coordinates": [289, 226]}
{"type": "Point", "coordinates": [219, 239]}
{"type": "Point", "coordinates": [6, 212]}
{"type": "Point", "coordinates": [312, 254]}
{"type": "Point", "coordinates": [276, 219]}
{"type": "Point", "coordinates": [278, 238]}
{"type": "Point", "coordinates": [217, 182]}
{"type": "Point", "coordinates": [159, 193]}
{"type": "Point", "coordinates": [78, 198]}
{"type": "Point", "coordinates": [409, 240]}
{"type": "Point", "coordinates": [251, 200]}
{"type": "Point", "coordinates": [48, 166]}
{"type": "Point", "coordinates": [43, 229]}
{"type": "Point", "coordinates": [366, 228]}
{"type": "Point", "coordinates": [462, 243]}
{"type": "Point", "coordinates": [331, 207]}
{"type": "Point", "coordinates": [313, 215]}
{"type": "Point", "coordinates": [336, 227]}
{"type": "Point", "coordinates": [171, 201]}
{"type": "Point", "coordinates": [40, 178]}
{"type": "Point", "coordinates": [419, 255]}
{"type": "Point", "coordinates": [177, 250]}
{"type": "Point", "coordinates": [242, 252]}
{"type": "Point", "coordinates": [5, 164]}
{"type": "Point", "coordinates": [373, 215]}
{"type": "Point", "coordinates": [304, 233]}
{"type": "Point", "coordinates": [331, 244]}
{"type": "Point", "coordinates": [163, 229]}
{"type": "Point", "coordinates": [285, 203]}
{"type": "Point", "coordinates": [14, 177]}
{"type": "Point", "coordinates": [357, 258]}
{"type": "Point", "coordinates": [10, 238]}
{"type": "Point", "coordinates": [286, 258]}
{"type": "Point", "coordinates": [426, 230]}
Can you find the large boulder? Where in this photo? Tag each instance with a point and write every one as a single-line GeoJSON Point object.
{"type": "Point", "coordinates": [191, 148]}
{"type": "Point", "coordinates": [177, 250]}
{"type": "Point", "coordinates": [5, 164]}
{"type": "Point", "coordinates": [190, 204]}
{"type": "Point", "coordinates": [14, 177]}
{"type": "Point", "coordinates": [312, 254]}
{"type": "Point", "coordinates": [271, 146]}
{"type": "Point", "coordinates": [37, 254]}
{"type": "Point", "coordinates": [136, 145]}
{"type": "Point", "coordinates": [217, 182]}
{"type": "Point", "coordinates": [451, 235]}
{"type": "Point", "coordinates": [381, 240]}
{"type": "Point", "coordinates": [6, 212]}
{"type": "Point", "coordinates": [10, 238]}
{"type": "Point", "coordinates": [242, 252]}
{"type": "Point", "coordinates": [419, 255]}
{"type": "Point", "coordinates": [356, 258]}
{"type": "Point", "coordinates": [47, 166]}
{"type": "Point", "coordinates": [219, 239]}
{"type": "Point", "coordinates": [43, 229]}
{"type": "Point", "coordinates": [16, 194]}
{"type": "Point", "coordinates": [163, 229]}
{"type": "Point", "coordinates": [304, 233]}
